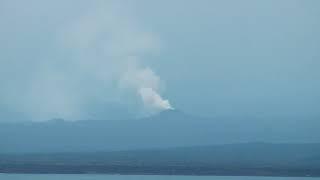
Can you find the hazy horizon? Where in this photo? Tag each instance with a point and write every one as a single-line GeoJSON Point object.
{"type": "Point", "coordinates": [112, 59]}
{"type": "Point", "coordinates": [159, 87]}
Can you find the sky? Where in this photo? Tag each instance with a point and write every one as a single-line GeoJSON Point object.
{"type": "Point", "coordinates": [118, 59]}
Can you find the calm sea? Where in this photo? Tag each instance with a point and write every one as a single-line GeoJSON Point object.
{"type": "Point", "coordinates": [136, 177]}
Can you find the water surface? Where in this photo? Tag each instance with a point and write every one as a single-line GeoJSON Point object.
{"type": "Point", "coordinates": [137, 177]}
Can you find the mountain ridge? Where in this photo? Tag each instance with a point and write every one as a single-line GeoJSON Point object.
{"type": "Point", "coordinates": [167, 129]}
{"type": "Point", "coordinates": [262, 159]}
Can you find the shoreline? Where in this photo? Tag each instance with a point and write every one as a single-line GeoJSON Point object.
{"type": "Point", "coordinates": [253, 173]}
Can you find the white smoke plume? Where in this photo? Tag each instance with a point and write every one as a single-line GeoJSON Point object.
{"type": "Point", "coordinates": [153, 99]}
{"type": "Point", "coordinates": [146, 84]}
{"type": "Point", "coordinates": [74, 58]}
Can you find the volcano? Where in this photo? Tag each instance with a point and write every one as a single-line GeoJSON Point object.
{"type": "Point", "coordinates": [170, 128]}
{"type": "Point", "coordinates": [172, 114]}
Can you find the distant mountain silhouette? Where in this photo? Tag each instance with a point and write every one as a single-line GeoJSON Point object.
{"type": "Point", "coordinates": [265, 159]}
{"type": "Point", "coordinates": [169, 128]}
{"type": "Point", "coordinates": [172, 114]}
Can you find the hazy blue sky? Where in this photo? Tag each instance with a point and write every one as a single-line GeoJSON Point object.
{"type": "Point", "coordinates": [71, 59]}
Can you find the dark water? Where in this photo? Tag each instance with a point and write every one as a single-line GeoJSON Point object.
{"type": "Point", "coordinates": [136, 177]}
